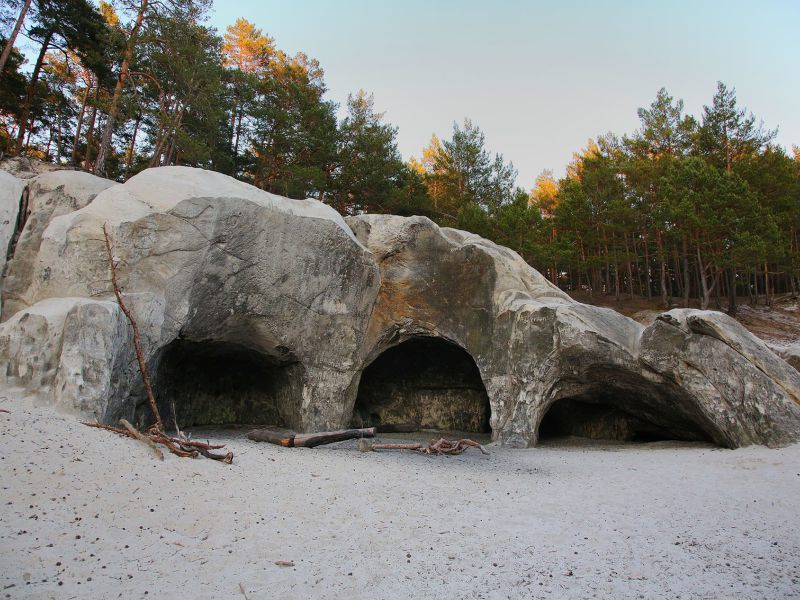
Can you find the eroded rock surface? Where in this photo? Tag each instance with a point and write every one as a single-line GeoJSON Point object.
{"type": "Point", "coordinates": [791, 354]}
{"type": "Point", "coordinates": [259, 309]}
{"type": "Point", "coordinates": [11, 190]}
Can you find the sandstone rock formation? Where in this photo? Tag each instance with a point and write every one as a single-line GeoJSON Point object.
{"type": "Point", "coordinates": [260, 309]}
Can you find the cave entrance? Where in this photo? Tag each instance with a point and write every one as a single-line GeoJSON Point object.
{"type": "Point", "coordinates": [623, 410]}
{"type": "Point", "coordinates": [423, 384]}
{"type": "Point", "coordinates": [222, 383]}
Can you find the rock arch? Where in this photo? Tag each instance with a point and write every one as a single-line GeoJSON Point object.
{"type": "Point", "coordinates": [423, 382]}
{"type": "Point", "coordinates": [612, 403]}
{"type": "Point", "coordinates": [220, 383]}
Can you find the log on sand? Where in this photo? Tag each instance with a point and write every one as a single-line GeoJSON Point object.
{"type": "Point", "coordinates": [291, 439]}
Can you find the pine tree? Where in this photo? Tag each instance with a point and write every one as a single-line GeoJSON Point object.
{"type": "Point", "coordinates": [728, 133]}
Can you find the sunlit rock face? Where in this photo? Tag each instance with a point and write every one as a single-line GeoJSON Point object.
{"type": "Point", "coordinates": [259, 309]}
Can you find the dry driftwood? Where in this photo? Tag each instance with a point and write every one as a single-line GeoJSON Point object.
{"type": "Point", "coordinates": [290, 439]}
{"type": "Point", "coordinates": [366, 446]}
{"type": "Point", "coordinates": [133, 432]}
{"type": "Point", "coordinates": [440, 446]}
{"type": "Point", "coordinates": [180, 445]}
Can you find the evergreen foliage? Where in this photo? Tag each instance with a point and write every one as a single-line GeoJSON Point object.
{"type": "Point", "coordinates": [691, 211]}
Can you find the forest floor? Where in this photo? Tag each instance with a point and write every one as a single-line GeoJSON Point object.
{"type": "Point", "coordinates": [778, 325]}
{"type": "Point", "coordinates": [87, 514]}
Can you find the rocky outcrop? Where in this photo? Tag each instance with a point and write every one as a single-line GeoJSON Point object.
{"type": "Point", "coordinates": [260, 309]}
{"type": "Point", "coordinates": [748, 394]}
{"type": "Point", "coordinates": [212, 268]}
{"type": "Point", "coordinates": [49, 195]}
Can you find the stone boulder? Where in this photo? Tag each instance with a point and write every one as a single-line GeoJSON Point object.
{"type": "Point", "coordinates": [275, 292]}
{"type": "Point", "coordinates": [259, 309]}
{"type": "Point", "coordinates": [747, 392]}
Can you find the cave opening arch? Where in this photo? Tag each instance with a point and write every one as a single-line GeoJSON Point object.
{"type": "Point", "coordinates": [218, 383]}
{"type": "Point", "coordinates": [423, 383]}
{"type": "Point", "coordinates": [613, 404]}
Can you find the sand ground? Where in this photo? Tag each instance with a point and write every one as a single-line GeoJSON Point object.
{"type": "Point", "coordinates": [86, 514]}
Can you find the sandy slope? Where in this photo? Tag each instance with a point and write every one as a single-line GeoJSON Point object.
{"type": "Point", "coordinates": [88, 515]}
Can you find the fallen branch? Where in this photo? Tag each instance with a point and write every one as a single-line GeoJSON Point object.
{"type": "Point", "coordinates": [137, 343]}
{"type": "Point", "coordinates": [180, 445]}
{"type": "Point", "coordinates": [290, 439]}
{"type": "Point", "coordinates": [443, 446]}
{"type": "Point", "coordinates": [365, 446]}
{"type": "Point", "coordinates": [142, 438]}
{"type": "Point", "coordinates": [440, 446]}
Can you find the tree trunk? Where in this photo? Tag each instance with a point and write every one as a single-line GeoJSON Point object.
{"type": "Point", "coordinates": [59, 139]}
{"type": "Point", "coordinates": [26, 109]}
{"type": "Point", "coordinates": [647, 268]}
{"type": "Point", "coordinates": [87, 161]}
{"type": "Point", "coordinates": [49, 143]}
{"type": "Point", "coordinates": [686, 280]}
{"type": "Point", "coordinates": [706, 289]}
{"type": "Point", "coordinates": [755, 283]}
{"type": "Point", "coordinates": [290, 439]}
{"type": "Point", "coordinates": [767, 291]}
{"type": "Point", "coordinates": [616, 269]}
{"type": "Point", "coordinates": [105, 145]}
{"type": "Point", "coordinates": [173, 140]}
{"type": "Point", "coordinates": [731, 274]}
{"type": "Point", "coordinates": [238, 133]}
{"type": "Point", "coordinates": [77, 139]}
{"type": "Point", "coordinates": [663, 260]}
{"type": "Point", "coordinates": [132, 147]}
{"type": "Point", "coordinates": [14, 32]}
{"type": "Point", "coordinates": [629, 267]}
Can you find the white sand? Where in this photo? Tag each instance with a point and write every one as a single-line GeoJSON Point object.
{"type": "Point", "coordinates": [86, 514]}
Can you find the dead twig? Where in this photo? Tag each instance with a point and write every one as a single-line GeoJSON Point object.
{"type": "Point", "coordinates": [241, 589]}
{"type": "Point", "coordinates": [142, 438]}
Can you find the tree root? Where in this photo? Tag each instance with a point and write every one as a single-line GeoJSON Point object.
{"type": "Point", "coordinates": [180, 446]}
{"type": "Point", "coordinates": [443, 446]}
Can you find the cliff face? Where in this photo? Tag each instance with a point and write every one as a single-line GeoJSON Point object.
{"type": "Point", "coordinates": [260, 309]}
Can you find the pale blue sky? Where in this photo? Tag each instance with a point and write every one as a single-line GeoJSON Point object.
{"type": "Point", "coordinates": [540, 78]}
